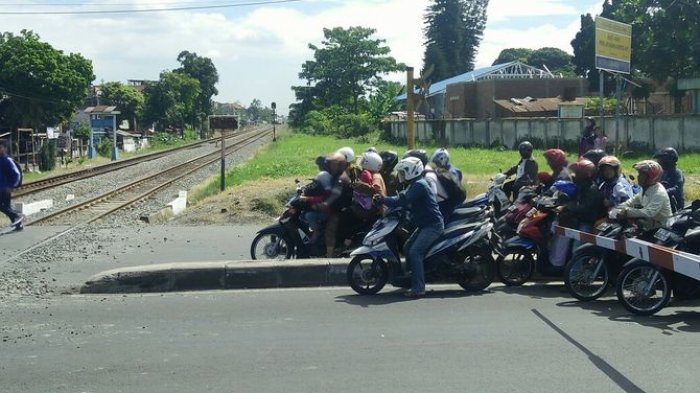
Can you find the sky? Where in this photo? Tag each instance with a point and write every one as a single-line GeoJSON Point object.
{"type": "Point", "coordinates": [258, 50]}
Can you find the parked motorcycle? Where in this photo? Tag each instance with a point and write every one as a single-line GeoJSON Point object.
{"type": "Point", "coordinates": [290, 236]}
{"type": "Point", "coordinates": [644, 288]}
{"type": "Point", "coordinates": [461, 254]}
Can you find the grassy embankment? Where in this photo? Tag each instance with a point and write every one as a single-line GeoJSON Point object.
{"type": "Point", "coordinates": [268, 178]}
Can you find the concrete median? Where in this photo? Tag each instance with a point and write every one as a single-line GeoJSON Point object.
{"type": "Point", "coordinates": [186, 276]}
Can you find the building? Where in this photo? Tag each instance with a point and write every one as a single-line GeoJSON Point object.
{"type": "Point", "coordinates": [474, 94]}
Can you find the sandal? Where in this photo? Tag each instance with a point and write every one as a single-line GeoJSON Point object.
{"type": "Point", "coordinates": [413, 295]}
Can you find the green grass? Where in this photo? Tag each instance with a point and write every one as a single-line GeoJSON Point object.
{"type": "Point", "coordinates": [293, 156]}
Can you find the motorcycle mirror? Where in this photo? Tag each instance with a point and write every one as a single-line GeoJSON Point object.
{"type": "Point", "coordinates": [296, 181]}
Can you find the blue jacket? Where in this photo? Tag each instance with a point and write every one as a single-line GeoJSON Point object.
{"type": "Point", "coordinates": [672, 180]}
{"type": "Point", "coordinates": [9, 175]}
{"type": "Point", "coordinates": [420, 200]}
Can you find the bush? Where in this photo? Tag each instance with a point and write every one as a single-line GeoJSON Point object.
{"type": "Point", "coordinates": [47, 155]}
{"type": "Point", "coordinates": [104, 148]}
{"type": "Point", "coordinates": [350, 126]}
{"type": "Point", "coordinates": [190, 134]}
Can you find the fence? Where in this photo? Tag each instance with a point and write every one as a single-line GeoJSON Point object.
{"type": "Point", "coordinates": [643, 133]}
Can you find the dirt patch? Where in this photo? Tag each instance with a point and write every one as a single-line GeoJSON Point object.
{"type": "Point", "coordinates": [251, 203]}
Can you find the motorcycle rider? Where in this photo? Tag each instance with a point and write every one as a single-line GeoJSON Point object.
{"type": "Point", "coordinates": [587, 207]}
{"type": "Point", "coordinates": [389, 161]}
{"type": "Point", "coordinates": [440, 165]}
{"type": "Point", "coordinates": [525, 171]}
{"type": "Point", "coordinates": [652, 206]}
{"type": "Point", "coordinates": [556, 159]}
{"type": "Point", "coordinates": [421, 202]}
{"type": "Point", "coordinates": [672, 178]}
{"type": "Point", "coordinates": [614, 187]}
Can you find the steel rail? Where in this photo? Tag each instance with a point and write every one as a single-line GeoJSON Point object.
{"type": "Point", "coordinates": [58, 180]}
{"type": "Point", "coordinates": [140, 189]}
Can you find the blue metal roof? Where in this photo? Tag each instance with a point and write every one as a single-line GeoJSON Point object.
{"type": "Point", "coordinates": [441, 86]}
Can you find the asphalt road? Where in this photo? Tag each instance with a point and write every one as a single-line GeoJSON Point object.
{"type": "Point", "coordinates": [530, 339]}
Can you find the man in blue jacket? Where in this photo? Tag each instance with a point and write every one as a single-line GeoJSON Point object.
{"type": "Point", "coordinates": [9, 179]}
{"type": "Point", "coordinates": [420, 200]}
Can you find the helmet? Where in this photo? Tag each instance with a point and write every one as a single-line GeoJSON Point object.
{"type": "Point", "coordinates": [556, 157]}
{"type": "Point", "coordinates": [525, 148]}
{"type": "Point", "coordinates": [667, 154]}
{"type": "Point", "coordinates": [610, 161]}
{"type": "Point", "coordinates": [320, 162]}
{"type": "Point", "coordinates": [419, 154]}
{"type": "Point", "coordinates": [583, 169]}
{"type": "Point", "coordinates": [565, 186]}
{"type": "Point", "coordinates": [389, 160]}
{"type": "Point", "coordinates": [336, 163]}
{"type": "Point", "coordinates": [371, 162]}
{"type": "Point", "coordinates": [372, 149]}
{"type": "Point", "coordinates": [544, 177]}
{"type": "Point", "coordinates": [441, 157]}
{"type": "Point", "coordinates": [651, 169]}
{"type": "Point", "coordinates": [594, 155]}
{"type": "Point", "coordinates": [409, 168]}
{"type": "Point", "coordinates": [348, 152]}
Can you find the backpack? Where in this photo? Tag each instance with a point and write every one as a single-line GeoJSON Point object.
{"type": "Point", "coordinates": [19, 169]}
{"type": "Point", "coordinates": [455, 190]}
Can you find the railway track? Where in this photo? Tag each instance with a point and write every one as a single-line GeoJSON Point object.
{"type": "Point", "coordinates": [55, 181]}
{"type": "Point", "coordinates": [141, 189]}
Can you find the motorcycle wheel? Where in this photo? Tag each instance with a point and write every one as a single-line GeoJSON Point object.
{"type": "Point", "coordinates": [515, 267]}
{"type": "Point", "coordinates": [367, 275]}
{"type": "Point", "coordinates": [270, 246]}
{"type": "Point", "coordinates": [482, 275]}
{"type": "Point", "coordinates": [579, 280]}
{"type": "Point", "coordinates": [632, 292]}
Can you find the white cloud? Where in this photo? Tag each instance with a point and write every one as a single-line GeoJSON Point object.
{"type": "Point", "coordinates": [259, 52]}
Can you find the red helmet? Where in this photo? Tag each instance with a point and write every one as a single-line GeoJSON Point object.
{"type": "Point", "coordinates": [556, 157]}
{"type": "Point", "coordinates": [651, 169]}
{"type": "Point", "coordinates": [544, 177]}
{"type": "Point", "coordinates": [583, 169]}
{"type": "Point", "coordinates": [610, 161]}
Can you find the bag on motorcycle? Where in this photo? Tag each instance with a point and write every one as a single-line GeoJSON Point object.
{"type": "Point", "coordinates": [456, 192]}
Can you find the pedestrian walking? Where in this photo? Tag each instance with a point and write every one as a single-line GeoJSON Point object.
{"type": "Point", "coordinates": [10, 178]}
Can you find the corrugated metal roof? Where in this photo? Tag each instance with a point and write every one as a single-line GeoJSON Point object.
{"type": "Point", "coordinates": [441, 86]}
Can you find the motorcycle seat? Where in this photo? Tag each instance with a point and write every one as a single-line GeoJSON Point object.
{"type": "Point", "coordinates": [467, 211]}
{"type": "Point", "coordinates": [479, 200]}
{"type": "Point", "coordinates": [460, 229]}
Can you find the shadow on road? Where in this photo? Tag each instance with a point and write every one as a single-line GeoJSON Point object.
{"type": "Point", "coordinates": [536, 291]}
{"type": "Point", "coordinates": [679, 321]}
{"type": "Point", "coordinates": [396, 296]}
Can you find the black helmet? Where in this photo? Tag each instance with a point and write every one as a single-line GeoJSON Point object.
{"type": "Point", "coordinates": [594, 155]}
{"type": "Point", "coordinates": [419, 154]}
{"type": "Point", "coordinates": [389, 160]}
{"type": "Point", "coordinates": [667, 154]}
{"type": "Point", "coordinates": [525, 148]}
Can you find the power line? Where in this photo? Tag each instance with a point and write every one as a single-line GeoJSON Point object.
{"type": "Point", "coordinates": [109, 4]}
{"type": "Point", "coordinates": [146, 10]}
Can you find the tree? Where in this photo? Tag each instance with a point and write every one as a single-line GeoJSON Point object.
{"type": "Point", "coordinates": [513, 54]}
{"type": "Point", "coordinates": [345, 66]}
{"type": "Point", "coordinates": [171, 100]}
{"type": "Point", "coordinates": [203, 70]}
{"type": "Point", "coordinates": [254, 111]}
{"type": "Point", "coordinates": [128, 100]}
{"type": "Point", "coordinates": [41, 85]}
{"type": "Point", "coordinates": [584, 51]}
{"type": "Point", "coordinates": [453, 31]}
{"type": "Point", "coordinates": [382, 100]}
{"type": "Point", "coordinates": [555, 59]}
{"type": "Point", "coordinates": [664, 39]}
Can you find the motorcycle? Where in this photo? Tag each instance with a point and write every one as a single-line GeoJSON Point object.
{"type": "Point", "coordinates": [592, 269]}
{"type": "Point", "coordinates": [461, 254]}
{"type": "Point", "coordinates": [290, 236]}
{"type": "Point", "coordinates": [520, 256]}
{"type": "Point", "coordinates": [644, 288]}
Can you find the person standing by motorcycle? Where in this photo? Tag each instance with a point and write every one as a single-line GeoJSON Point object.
{"type": "Point", "coordinates": [10, 178]}
{"type": "Point", "coordinates": [421, 202]}
{"type": "Point", "coordinates": [652, 206]}
{"type": "Point", "coordinates": [614, 187]}
{"type": "Point", "coordinates": [525, 171]}
{"type": "Point", "coordinates": [672, 179]}
{"type": "Point", "coordinates": [441, 175]}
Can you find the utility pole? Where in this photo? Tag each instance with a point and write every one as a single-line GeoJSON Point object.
{"type": "Point", "coordinates": [410, 123]}
{"type": "Point", "coordinates": [274, 121]}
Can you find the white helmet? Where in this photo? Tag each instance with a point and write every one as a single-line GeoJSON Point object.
{"type": "Point", "coordinates": [348, 152]}
{"type": "Point", "coordinates": [409, 168]}
{"type": "Point", "coordinates": [441, 157]}
{"type": "Point", "coordinates": [371, 162]}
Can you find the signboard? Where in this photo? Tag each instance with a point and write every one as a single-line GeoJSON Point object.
{"type": "Point", "coordinates": [613, 45]}
{"type": "Point", "coordinates": [226, 123]}
{"type": "Point", "coordinates": [571, 111]}
{"type": "Point", "coordinates": [52, 132]}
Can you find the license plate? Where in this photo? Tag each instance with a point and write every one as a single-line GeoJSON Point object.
{"type": "Point", "coordinates": [662, 235]}
{"type": "Point", "coordinates": [531, 212]}
{"type": "Point", "coordinates": [604, 226]}
{"type": "Point", "coordinates": [511, 208]}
